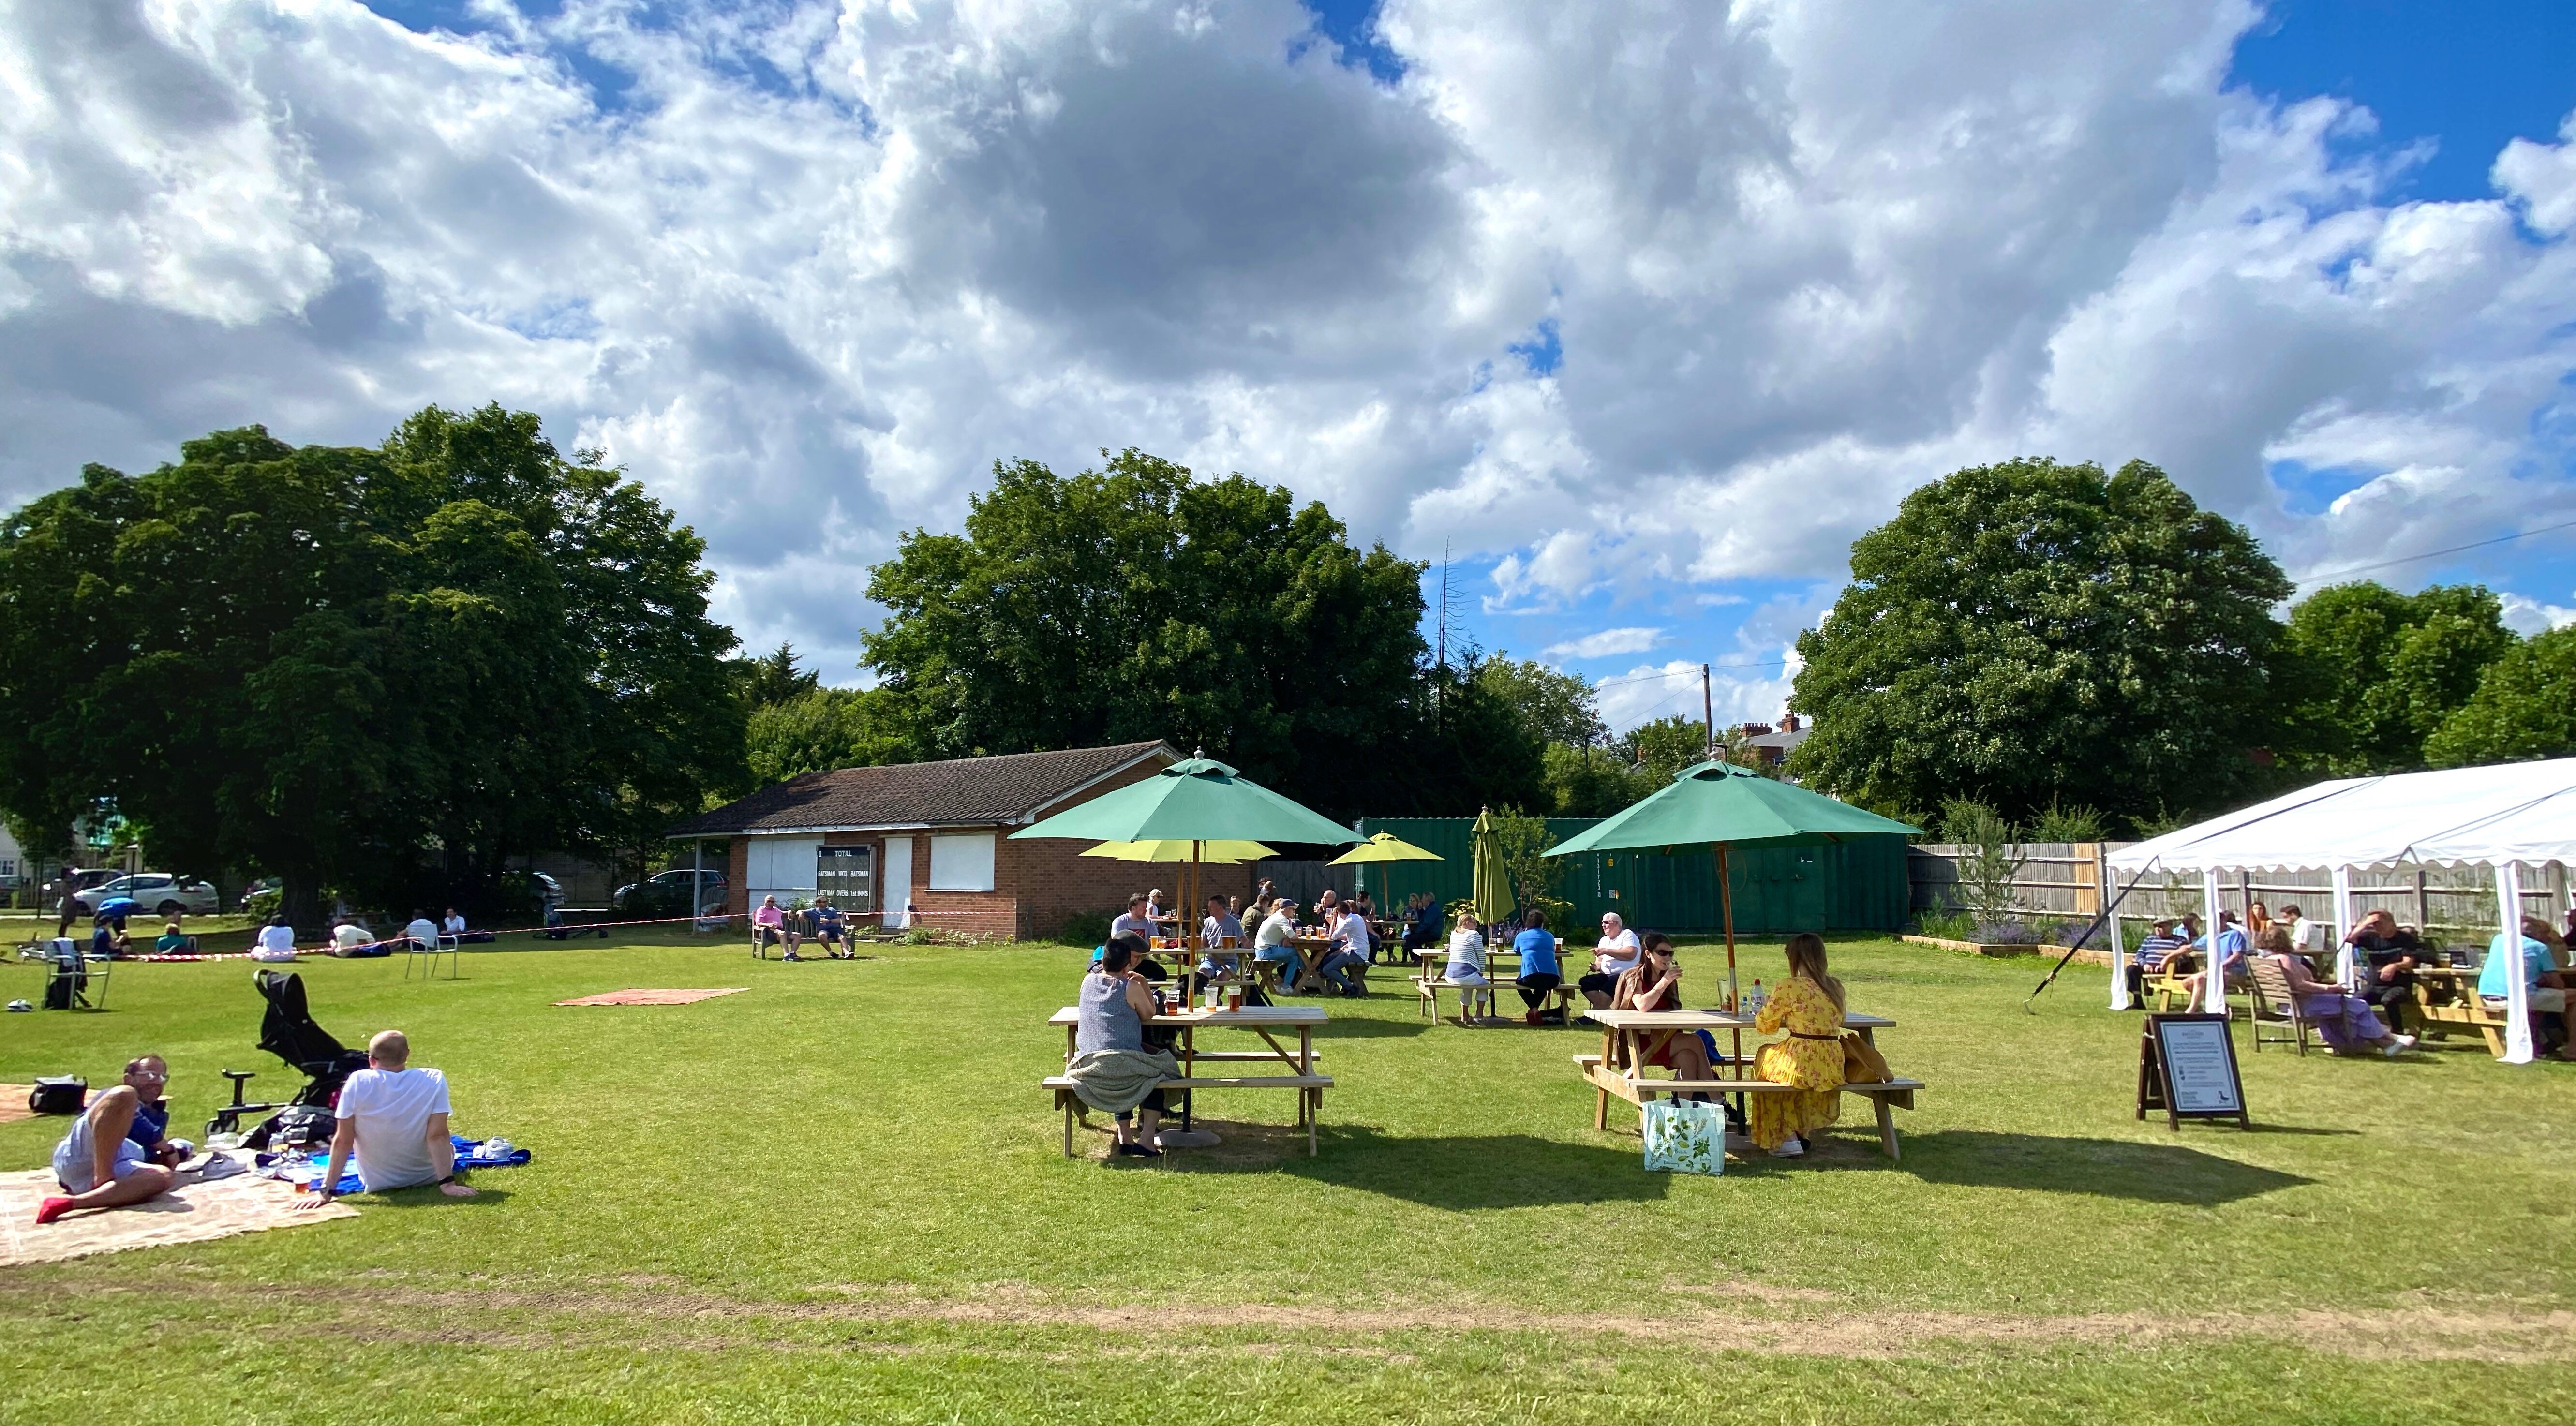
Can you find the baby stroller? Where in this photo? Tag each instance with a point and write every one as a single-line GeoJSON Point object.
{"type": "Point", "coordinates": [288, 1032]}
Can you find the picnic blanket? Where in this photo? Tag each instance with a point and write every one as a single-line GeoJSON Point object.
{"type": "Point", "coordinates": [1116, 1081]}
{"type": "Point", "coordinates": [470, 1154]}
{"type": "Point", "coordinates": [654, 997]}
{"type": "Point", "coordinates": [197, 1211]}
{"type": "Point", "coordinates": [13, 1103]}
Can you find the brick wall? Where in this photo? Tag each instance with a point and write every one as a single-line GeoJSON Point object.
{"type": "Point", "coordinates": [1037, 884]}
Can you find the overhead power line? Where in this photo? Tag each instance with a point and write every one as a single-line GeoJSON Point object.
{"type": "Point", "coordinates": [2437, 554]}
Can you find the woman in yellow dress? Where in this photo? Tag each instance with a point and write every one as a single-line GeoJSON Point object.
{"type": "Point", "coordinates": [1809, 1005]}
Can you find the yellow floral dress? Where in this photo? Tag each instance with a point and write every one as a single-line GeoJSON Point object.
{"type": "Point", "coordinates": [1815, 1065]}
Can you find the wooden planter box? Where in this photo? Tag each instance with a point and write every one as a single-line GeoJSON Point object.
{"type": "Point", "coordinates": [2000, 949]}
{"type": "Point", "coordinates": [1978, 948]}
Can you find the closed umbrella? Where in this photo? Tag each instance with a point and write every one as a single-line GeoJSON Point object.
{"type": "Point", "coordinates": [1721, 806]}
{"type": "Point", "coordinates": [1195, 801]}
{"type": "Point", "coordinates": [1494, 899]}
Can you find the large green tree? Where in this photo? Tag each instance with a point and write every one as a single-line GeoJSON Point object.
{"type": "Point", "coordinates": [2524, 708]}
{"type": "Point", "coordinates": [2368, 674]}
{"type": "Point", "coordinates": [826, 728]}
{"type": "Point", "coordinates": [1135, 602]}
{"type": "Point", "coordinates": [382, 672]}
{"type": "Point", "coordinates": [2033, 633]}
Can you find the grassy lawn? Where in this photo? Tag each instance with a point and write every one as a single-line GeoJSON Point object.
{"type": "Point", "coordinates": [841, 1196]}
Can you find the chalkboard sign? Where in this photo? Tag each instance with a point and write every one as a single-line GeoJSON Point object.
{"type": "Point", "coordinates": [2187, 1068]}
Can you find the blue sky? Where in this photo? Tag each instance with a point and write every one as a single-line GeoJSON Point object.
{"type": "Point", "coordinates": [1641, 311]}
{"type": "Point", "coordinates": [2449, 84]}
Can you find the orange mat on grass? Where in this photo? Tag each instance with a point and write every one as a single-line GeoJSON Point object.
{"type": "Point", "coordinates": [654, 997]}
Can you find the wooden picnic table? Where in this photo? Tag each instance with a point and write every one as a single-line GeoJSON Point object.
{"type": "Point", "coordinates": [1261, 1020]}
{"type": "Point", "coordinates": [1630, 1037]}
{"type": "Point", "coordinates": [2462, 1010]}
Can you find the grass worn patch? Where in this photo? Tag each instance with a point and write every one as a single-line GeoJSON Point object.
{"type": "Point", "coordinates": [840, 1194]}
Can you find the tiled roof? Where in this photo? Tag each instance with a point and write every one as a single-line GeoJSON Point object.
{"type": "Point", "coordinates": [962, 792]}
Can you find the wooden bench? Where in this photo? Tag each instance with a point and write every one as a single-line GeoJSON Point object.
{"type": "Point", "coordinates": [1428, 986]}
{"type": "Point", "coordinates": [1310, 1093]}
{"type": "Point", "coordinates": [2463, 1011]}
{"type": "Point", "coordinates": [1884, 1097]}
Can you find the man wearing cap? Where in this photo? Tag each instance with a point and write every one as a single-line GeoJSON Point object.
{"type": "Point", "coordinates": [2160, 943]}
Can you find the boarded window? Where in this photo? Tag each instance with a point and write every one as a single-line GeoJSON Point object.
{"type": "Point", "coordinates": [962, 863]}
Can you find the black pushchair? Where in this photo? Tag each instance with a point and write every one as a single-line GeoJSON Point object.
{"type": "Point", "coordinates": [288, 1032]}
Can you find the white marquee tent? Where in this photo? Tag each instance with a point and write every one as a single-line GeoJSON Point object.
{"type": "Point", "coordinates": [2504, 817]}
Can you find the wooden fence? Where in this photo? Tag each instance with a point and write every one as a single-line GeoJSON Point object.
{"type": "Point", "coordinates": [2060, 881]}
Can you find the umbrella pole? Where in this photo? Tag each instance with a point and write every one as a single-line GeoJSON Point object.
{"type": "Point", "coordinates": [1726, 905]}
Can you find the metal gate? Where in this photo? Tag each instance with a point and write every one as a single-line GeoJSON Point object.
{"type": "Point", "coordinates": [846, 877]}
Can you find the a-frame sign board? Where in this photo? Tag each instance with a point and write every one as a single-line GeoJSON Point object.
{"type": "Point", "coordinates": [2187, 1068]}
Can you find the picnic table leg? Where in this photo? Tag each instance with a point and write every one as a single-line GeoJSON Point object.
{"type": "Point", "coordinates": [1065, 1097]}
{"type": "Point", "coordinates": [1600, 1096]}
{"type": "Point", "coordinates": [1189, 1070]}
{"type": "Point", "coordinates": [1314, 1111]}
{"type": "Point", "coordinates": [1886, 1126]}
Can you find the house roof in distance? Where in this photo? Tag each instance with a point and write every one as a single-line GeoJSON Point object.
{"type": "Point", "coordinates": [961, 792]}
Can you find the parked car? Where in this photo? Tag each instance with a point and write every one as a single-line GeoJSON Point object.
{"type": "Point", "coordinates": [81, 879]}
{"type": "Point", "coordinates": [667, 893]}
{"type": "Point", "coordinates": [156, 891]}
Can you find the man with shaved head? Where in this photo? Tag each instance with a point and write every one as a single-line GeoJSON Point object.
{"type": "Point", "coordinates": [393, 1119]}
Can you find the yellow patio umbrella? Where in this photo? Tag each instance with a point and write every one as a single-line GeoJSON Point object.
{"type": "Point", "coordinates": [1494, 898]}
{"type": "Point", "coordinates": [1384, 847]}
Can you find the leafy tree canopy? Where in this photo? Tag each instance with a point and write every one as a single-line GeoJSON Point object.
{"type": "Point", "coordinates": [1659, 749]}
{"type": "Point", "coordinates": [1135, 602]}
{"type": "Point", "coordinates": [826, 728]}
{"type": "Point", "coordinates": [774, 677]}
{"type": "Point", "coordinates": [2370, 674]}
{"type": "Point", "coordinates": [379, 671]}
{"type": "Point", "coordinates": [2031, 633]}
{"type": "Point", "coordinates": [1554, 706]}
{"type": "Point", "coordinates": [2524, 708]}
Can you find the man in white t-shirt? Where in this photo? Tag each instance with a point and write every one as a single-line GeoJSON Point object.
{"type": "Point", "coordinates": [393, 1119]}
{"type": "Point", "coordinates": [1613, 956]}
{"type": "Point", "coordinates": [422, 931]}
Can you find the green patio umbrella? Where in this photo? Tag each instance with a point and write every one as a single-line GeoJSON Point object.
{"type": "Point", "coordinates": [1494, 899]}
{"type": "Point", "coordinates": [1721, 806]}
{"type": "Point", "coordinates": [1197, 800]}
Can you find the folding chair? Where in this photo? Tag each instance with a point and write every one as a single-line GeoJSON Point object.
{"type": "Point", "coordinates": [78, 984]}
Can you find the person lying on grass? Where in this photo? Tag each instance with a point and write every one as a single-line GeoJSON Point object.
{"type": "Point", "coordinates": [393, 1122]}
{"type": "Point", "coordinates": [115, 1154]}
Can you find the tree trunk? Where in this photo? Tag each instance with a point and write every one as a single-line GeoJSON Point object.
{"type": "Point", "coordinates": [300, 901]}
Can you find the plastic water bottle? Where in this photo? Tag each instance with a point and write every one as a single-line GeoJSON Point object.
{"type": "Point", "coordinates": [1755, 998]}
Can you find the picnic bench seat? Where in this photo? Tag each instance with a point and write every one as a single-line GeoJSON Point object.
{"type": "Point", "coordinates": [2443, 1006]}
{"type": "Point", "coordinates": [1429, 984]}
{"type": "Point", "coordinates": [1310, 1093]}
{"type": "Point", "coordinates": [1883, 1096]}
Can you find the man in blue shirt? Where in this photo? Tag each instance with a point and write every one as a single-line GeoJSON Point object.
{"type": "Point", "coordinates": [2543, 982]}
{"type": "Point", "coordinates": [829, 931]}
{"type": "Point", "coordinates": [1537, 949]}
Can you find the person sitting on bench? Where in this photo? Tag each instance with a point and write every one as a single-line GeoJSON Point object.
{"type": "Point", "coordinates": [2344, 1019]}
{"type": "Point", "coordinates": [1111, 1068]}
{"type": "Point", "coordinates": [768, 925]}
{"type": "Point", "coordinates": [1466, 952]}
{"type": "Point", "coordinates": [2545, 986]}
{"type": "Point", "coordinates": [393, 1122]}
{"type": "Point", "coordinates": [1350, 934]}
{"type": "Point", "coordinates": [115, 1155]}
{"type": "Point", "coordinates": [1613, 956]}
{"type": "Point", "coordinates": [1809, 1005]}
{"type": "Point", "coordinates": [831, 932]}
{"type": "Point", "coordinates": [1655, 983]}
{"type": "Point", "coordinates": [1219, 930]}
{"type": "Point", "coordinates": [1273, 941]}
{"type": "Point", "coordinates": [1539, 978]}
{"type": "Point", "coordinates": [2159, 944]}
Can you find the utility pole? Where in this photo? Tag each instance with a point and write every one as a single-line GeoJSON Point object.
{"type": "Point", "coordinates": [1442, 658]}
{"type": "Point", "coordinates": [1707, 710]}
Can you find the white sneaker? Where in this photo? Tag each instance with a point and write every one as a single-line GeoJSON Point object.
{"type": "Point", "coordinates": [1789, 1149]}
{"type": "Point", "coordinates": [2405, 1042]}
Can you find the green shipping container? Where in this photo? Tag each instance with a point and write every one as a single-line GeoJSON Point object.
{"type": "Point", "coordinates": [1855, 885]}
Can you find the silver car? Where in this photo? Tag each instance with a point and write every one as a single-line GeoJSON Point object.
{"type": "Point", "coordinates": [157, 892]}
